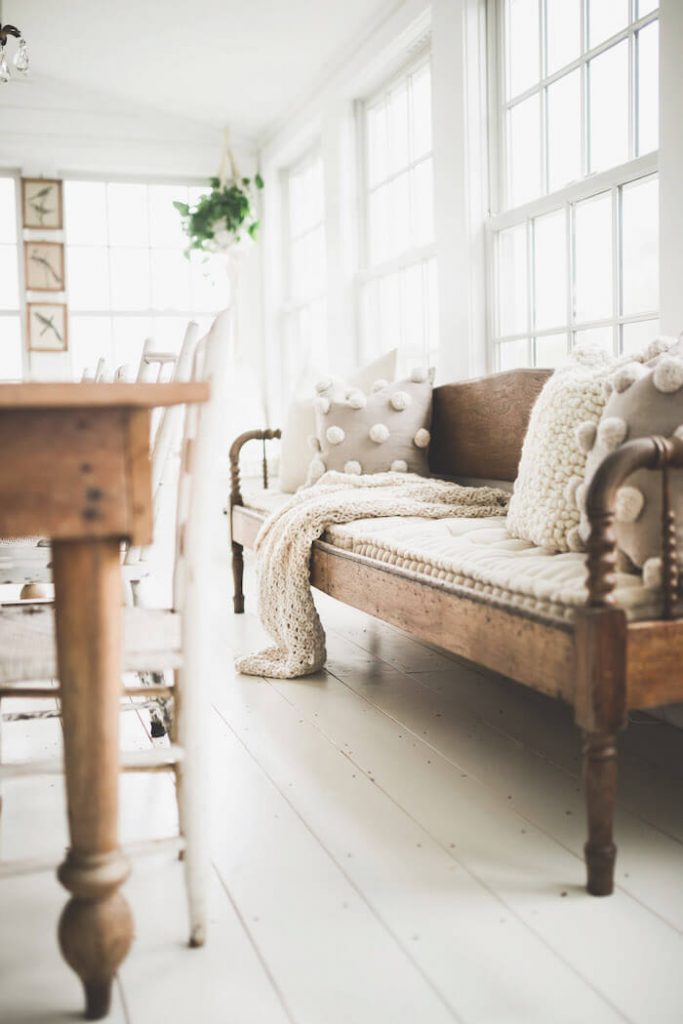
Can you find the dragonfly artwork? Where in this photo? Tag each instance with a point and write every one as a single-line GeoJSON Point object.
{"type": "Point", "coordinates": [44, 266]}
{"type": "Point", "coordinates": [47, 327]}
{"type": "Point", "coordinates": [42, 203]}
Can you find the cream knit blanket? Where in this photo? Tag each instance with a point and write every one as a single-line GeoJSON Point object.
{"type": "Point", "coordinates": [283, 549]}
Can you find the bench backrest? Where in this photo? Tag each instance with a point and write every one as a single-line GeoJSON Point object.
{"type": "Point", "coordinates": [478, 426]}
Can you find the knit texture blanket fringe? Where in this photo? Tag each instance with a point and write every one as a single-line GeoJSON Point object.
{"type": "Point", "coordinates": [283, 549]}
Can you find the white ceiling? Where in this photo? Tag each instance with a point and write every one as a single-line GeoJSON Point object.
{"type": "Point", "coordinates": [242, 63]}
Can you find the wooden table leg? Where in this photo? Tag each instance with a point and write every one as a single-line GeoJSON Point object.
{"type": "Point", "coordinates": [96, 927]}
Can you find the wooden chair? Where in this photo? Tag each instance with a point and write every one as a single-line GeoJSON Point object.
{"type": "Point", "coordinates": [161, 641]}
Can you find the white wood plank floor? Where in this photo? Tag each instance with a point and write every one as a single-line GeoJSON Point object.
{"type": "Point", "coordinates": [396, 839]}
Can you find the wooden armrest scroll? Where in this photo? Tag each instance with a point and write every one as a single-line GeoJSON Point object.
{"type": "Point", "coordinates": [236, 448]}
{"type": "Point", "coordinates": [644, 453]}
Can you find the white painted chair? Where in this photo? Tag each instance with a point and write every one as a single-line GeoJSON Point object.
{"type": "Point", "coordinates": [162, 641]}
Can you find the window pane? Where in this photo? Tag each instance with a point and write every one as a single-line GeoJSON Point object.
{"type": "Point", "coordinates": [550, 270]}
{"type": "Point", "coordinates": [635, 337]}
{"type": "Point", "coordinates": [8, 210]}
{"type": "Point", "coordinates": [550, 351]}
{"type": "Point", "coordinates": [525, 151]}
{"type": "Point", "coordinates": [563, 33]}
{"type": "Point", "coordinates": [523, 37]}
{"type": "Point", "coordinates": [11, 348]}
{"type": "Point", "coordinates": [128, 337]}
{"type": "Point", "coordinates": [648, 88]}
{"type": "Point", "coordinates": [89, 338]}
{"type": "Point", "coordinates": [512, 354]}
{"type": "Point", "coordinates": [596, 337]}
{"type": "Point", "coordinates": [605, 17]}
{"type": "Point", "coordinates": [164, 219]}
{"type": "Point", "coordinates": [564, 131]}
{"type": "Point", "coordinates": [645, 6]}
{"type": "Point", "coordinates": [413, 312]}
{"type": "Point", "coordinates": [593, 258]}
{"type": "Point", "coordinates": [423, 203]}
{"type": "Point", "coordinates": [640, 245]}
{"type": "Point", "coordinates": [379, 224]}
{"type": "Point", "coordinates": [512, 281]}
{"type": "Point", "coordinates": [85, 208]}
{"type": "Point", "coordinates": [170, 279]}
{"type": "Point", "coordinates": [421, 112]}
{"type": "Point", "coordinates": [129, 270]}
{"type": "Point", "coordinates": [9, 277]}
{"type": "Point", "coordinates": [399, 214]}
{"type": "Point", "coordinates": [209, 286]}
{"type": "Point", "coordinates": [389, 310]}
{"type": "Point", "coordinates": [127, 213]}
{"type": "Point", "coordinates": [608, 76]}
{"type": "Point", "coordinates": [398, 128]}
{"type": "Point", "coordinates": [87, 271]}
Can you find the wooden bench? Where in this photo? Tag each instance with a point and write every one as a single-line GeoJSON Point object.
{"type": "Point", "coordinates": [600, 663]}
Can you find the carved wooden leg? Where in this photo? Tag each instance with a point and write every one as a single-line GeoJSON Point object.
{"type": "Point", "coordinates": [96, 927]}
{"type": "Point", "coordinates": [33, 592]}
{"type": "Point", "coordinates": [238, 577]}
{"type": "Point", "coordinates": [600, 781]}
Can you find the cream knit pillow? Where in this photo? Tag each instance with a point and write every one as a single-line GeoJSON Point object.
{"type": "Point", "coordinates": [541, 511]}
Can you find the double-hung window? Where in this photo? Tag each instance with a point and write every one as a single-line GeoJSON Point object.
{"type": "Point", "coordinates": [305, 307]}
{"type": "Point", "coordinates": [574, 233]}
{"type": "Point", "coordinates": [397, 280]}
{"type": "Point", "coordinates": [127, 275]}
{"type": "Point", "coordinates": [11, 347]}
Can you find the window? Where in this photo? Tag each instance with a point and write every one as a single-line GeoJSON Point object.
{"type": "Point", "coordinates": [11, 346]}
{"type": "Point", "coordinates": [575, 242]}
{"type": "Point", "coordinates": [305, 309]}
{"type": "Point", "coordinates": [397, 285]}
{"type": "Point", "coordinates": [127, 276]}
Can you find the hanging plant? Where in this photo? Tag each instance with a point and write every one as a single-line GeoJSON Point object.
{"type": "Point", "coordinates": [223, 218]}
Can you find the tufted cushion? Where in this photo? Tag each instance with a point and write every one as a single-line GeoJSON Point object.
{"type": "Point", "coordinates": [300, 424]}
{"type": "Point", "coordinates": [387, 429]}
{"type": "Point", "coordinates": [541, 509]}
{"type": "Point", "coordinates": [644, 400]}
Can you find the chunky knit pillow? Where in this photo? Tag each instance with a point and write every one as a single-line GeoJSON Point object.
{"type": "Point", "coordinates": [644, 399]}
{"type": "Point", "coordinates": [541, 511]}
{"type": "Point", "coordinates": [385, 430]}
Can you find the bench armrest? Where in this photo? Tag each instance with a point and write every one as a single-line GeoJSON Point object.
{"type": "Point", "coordinates": [236, 448]}
{"type": "Point", "coordinates": [659, 453]}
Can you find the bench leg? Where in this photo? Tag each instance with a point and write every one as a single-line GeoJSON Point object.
{"type": "Point", "coordinates": [600, 782]}
{"type": "Point", "coordinates": [238, 577]}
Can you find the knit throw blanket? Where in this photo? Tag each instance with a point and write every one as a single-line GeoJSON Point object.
{"type": "Point", "coordinates": [283, 549]}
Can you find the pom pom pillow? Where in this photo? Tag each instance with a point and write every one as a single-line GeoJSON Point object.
{"type": "Point", "coordinates": [385, 430]}
{"type": "Point", "coordinates": [644, 400]}
{"type": "Point", "coordinates": [300, 422]}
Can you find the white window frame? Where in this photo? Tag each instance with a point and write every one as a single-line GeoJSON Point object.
{"type": "Point", "coordinates": [297, 305]}
{"type": "Point", "coordinates": [638, 167]}
{"type": "Point", "coordinates": [417, 255]}
{"type": "Point", "coordinates": [19, 245]}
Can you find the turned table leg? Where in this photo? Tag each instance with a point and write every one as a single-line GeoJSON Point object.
{"type": "Point", "coordinates": [600, 783]}
{"type": "Point", "coordinates": [96, 927]}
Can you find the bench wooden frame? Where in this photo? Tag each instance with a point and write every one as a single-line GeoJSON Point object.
{"type": "Point", "coordinates": [599, 663]}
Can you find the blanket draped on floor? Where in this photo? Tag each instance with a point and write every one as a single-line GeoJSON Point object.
{"type": "Point", "coordinates": [283, 549]}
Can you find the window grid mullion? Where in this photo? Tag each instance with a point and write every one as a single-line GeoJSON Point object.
{"type": "Point", "coordinates": [617, 262]}
{"type": "Point", "coordinates": [530, 275]}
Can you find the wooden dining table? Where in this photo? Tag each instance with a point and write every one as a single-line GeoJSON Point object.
{"type": "Point", "coordinates": [75, 468]}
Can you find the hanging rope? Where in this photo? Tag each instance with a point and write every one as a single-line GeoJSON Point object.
{"type": "Point", "coordinates": [228, 162]}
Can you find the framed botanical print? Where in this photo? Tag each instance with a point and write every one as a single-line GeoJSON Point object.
{"type": "Point", "coordinates": [41, 203]}
{"type": "Point", "coordinates": [47, 326]}
{"type": "Point", "coordinates": [44, 266]}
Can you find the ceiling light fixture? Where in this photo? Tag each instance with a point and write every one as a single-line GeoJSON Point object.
{"type": "Point", "coordinates": [20, 61]}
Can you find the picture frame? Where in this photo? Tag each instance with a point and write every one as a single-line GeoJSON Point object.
{"type": "Point", "coordinates": [41, 204]}
{"type": "Point", "coordinates": [47, 326]}
{"type": "Point", "coordinates": [44, 269]}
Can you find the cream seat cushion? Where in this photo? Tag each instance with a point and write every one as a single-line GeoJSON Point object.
{"type": "Point", "coordinates": [480, 555]}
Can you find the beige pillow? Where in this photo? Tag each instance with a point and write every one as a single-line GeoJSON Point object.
{"type": "Point", "coordinates": [645, 399]}
{"type": "Point", "coordinates": [300, 422]}
{"type": "Point", "coordinates": [385, 430]}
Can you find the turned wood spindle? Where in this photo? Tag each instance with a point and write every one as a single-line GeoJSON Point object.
{"type": "Point", "coordinates": [669, 556]}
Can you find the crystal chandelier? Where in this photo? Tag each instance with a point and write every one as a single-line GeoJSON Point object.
{"type": "Point", "coordinates": [20, 59]}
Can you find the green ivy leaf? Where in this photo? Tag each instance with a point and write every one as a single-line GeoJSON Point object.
{"type": "Point", "coordinates": [258, 180]}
